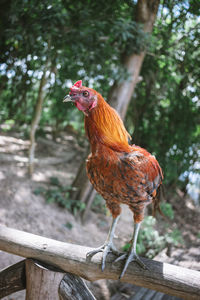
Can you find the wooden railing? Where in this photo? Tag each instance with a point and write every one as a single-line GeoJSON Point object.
{"type": "Point", "coordinates": [70, 258]}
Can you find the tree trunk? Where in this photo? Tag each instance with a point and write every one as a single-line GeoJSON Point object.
{"type": "Point", "coordinates": [121, 94]}
{"type": "Point", "coordinates": [36, 120]}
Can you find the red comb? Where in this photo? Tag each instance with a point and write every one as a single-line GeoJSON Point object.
{"type": "Point", "coordinates": [78, 84]}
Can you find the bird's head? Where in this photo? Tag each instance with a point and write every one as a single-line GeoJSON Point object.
{"type": "Point", "coordinates": [85, 99]}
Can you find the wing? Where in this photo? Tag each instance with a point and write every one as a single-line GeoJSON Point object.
{"type": "Point", "coordinates": [147, 173]}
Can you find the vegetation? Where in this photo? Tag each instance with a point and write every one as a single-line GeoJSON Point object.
{"type": "Point", "coordinates": [57, 193]}
{"type": "Point", "coordinates": [67, 41]}
{"type": "Point", "coordinates": [165, 110]}
{"type": "Point", "coordinates": [151, 242]}
{"type": "Point", "coordinates": [163, 116]}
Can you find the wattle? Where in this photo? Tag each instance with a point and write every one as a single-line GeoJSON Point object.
{"type": "Point", "coordinates": [79, 106]}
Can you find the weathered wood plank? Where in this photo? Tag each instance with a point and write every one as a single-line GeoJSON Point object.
{"type": "Point", "coordinates": [12, 279]}
{"type": "Point", "coordinates": [166, 278]}
{"type": "Point", "coordinates": [73, 287]}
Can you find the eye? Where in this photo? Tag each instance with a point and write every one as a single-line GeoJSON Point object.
{"type": "Point", "coordinates": [85, 93]}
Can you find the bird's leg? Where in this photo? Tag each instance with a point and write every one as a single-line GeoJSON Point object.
{"type": "Point", "coordinates": [132, 256]}
{"type": "Point", "coordinates": [108, 246]}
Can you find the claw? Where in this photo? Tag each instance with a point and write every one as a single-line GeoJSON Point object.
{"type": "Point", "coordinates": [95, 251]}
{"type": "Point", "coordinates": [131, 257]}
{"type": "Point", "coordinates": [121, 257]}
{"type": "Point", "coordinates": [106, 248]}
{"type": "Point", "coordinates": [108, 245]}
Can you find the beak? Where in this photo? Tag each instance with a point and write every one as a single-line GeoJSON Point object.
{"type": "Point", "coordinates": [67, 98]}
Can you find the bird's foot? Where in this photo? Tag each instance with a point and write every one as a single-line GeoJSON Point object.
{"type": "Point", "coordinates": [105, 248]}
{"type": "Point", "coordinates": [132, 256]}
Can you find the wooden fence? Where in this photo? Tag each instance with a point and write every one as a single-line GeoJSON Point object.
{"type": "Point", "coordinates": [70, 258]}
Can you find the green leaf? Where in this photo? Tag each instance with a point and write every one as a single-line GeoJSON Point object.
{"type": "Point", "coordinates": [39, 190]}
{"type": "Point", "coordinates": [54, 181]}
{"type": "Point", "coordinates": [69, 225]}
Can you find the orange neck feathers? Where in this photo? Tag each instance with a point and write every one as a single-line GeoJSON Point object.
{"type": "Point", "coordinates": [104, 125]}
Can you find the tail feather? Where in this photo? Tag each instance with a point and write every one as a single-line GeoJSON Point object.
{"type": "Point", "coordinates": [156, 202]}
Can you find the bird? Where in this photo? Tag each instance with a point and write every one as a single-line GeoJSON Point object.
{"type": "Point", "coordinates": [121, 173]}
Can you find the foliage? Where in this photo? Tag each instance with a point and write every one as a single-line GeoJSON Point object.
{"type": "Point", "coordinates": [164, 114]}
{"type": "Point", "coordinates": [88, 40]}
{"type": "Point", "coordinates": [150, 242]}
{"type": "Point", "coordinates": [174, 238]}
{"type": "Point", "coordinates": [167, 210]}
{"type": "Point", "coordinates": [80, 39]}
{"type": "Point", "coordinates": [69, 225]}
{"type": "Point", "coordinates": [59, 194]}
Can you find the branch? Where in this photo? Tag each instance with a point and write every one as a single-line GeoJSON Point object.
{"type": "Point", "coordinates": [166, 278]}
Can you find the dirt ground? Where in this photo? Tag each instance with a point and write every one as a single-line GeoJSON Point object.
{"type": "Point", "coordinates": [20, 208]}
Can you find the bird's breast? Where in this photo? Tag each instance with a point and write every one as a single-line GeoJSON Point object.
{"type": "Point", "coordinates": [115, 180]}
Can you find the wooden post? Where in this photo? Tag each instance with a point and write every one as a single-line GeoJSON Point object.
{"type": "Point", "coordinates": [163, 277]}
{"type": "Point", "coordinates": [47, 282]}
{"type": "Point", "coordinates": [41, 282]}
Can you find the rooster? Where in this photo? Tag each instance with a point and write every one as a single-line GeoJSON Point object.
{"type": "Point", "coordinates": [121, 173]}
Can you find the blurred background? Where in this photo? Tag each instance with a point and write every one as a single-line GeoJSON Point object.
{"type": "Point", "coordinates": [45, 47]}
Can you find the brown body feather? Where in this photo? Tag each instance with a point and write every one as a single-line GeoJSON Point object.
{"type": "Point", "coordinates": [119, 172]}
